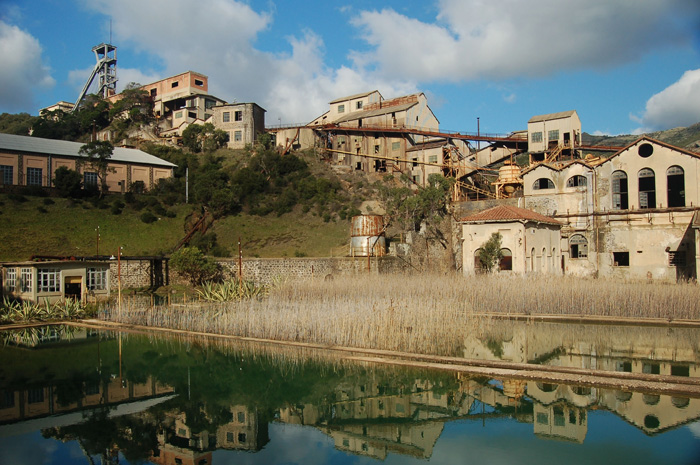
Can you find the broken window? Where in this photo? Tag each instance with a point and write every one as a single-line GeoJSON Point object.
{"type": "Point", "coordinates": [576, 181]}
{"type": "Point", "coordinates": [198, 82]}
{"type": "Point", "coordinates": [479, 266]}
{"type": "Point", "coordinates": [432, 159]}
{"type": "Point", "coordinates": [237, 136]}
{"type": "Point", "coordinates": [154, 92]}
{"type": "Point", "coordinates": [174, 84]}
{"type": "Point", "coordinates": [376, 149]}
{"type": "Point", "coordinates": [645, 150]}
{"type": "Point", "coordinates": [358, 105]}
{"type": "Point", "coordinates": [619, 191]}
{"type": "Point", "coordinates": [192, 114]}
{"type": "Point", "coordinates": [676, 258]}
{"type": "Point", "coordinates": [238, 116]}
{"type": "Point", "coordinates": [358, 166]}
{"type": "Point", "coordinates": [647, 188]}
{"type": "Point", "coordinates": [578, 246]}
{"type": "Point", "coordinates": [543, 183]}
{"type": "Point", "coordinates": [506, 263]}
{"type": "Point", "coordinates": [621, 259]}
{"type": "Point", "coordinates": [675, 182]}
{"type": "Point", "coordinates": [415, 162]}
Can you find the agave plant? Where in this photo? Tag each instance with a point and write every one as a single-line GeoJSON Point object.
{"type": "Point", "coordinates": [231, 290]}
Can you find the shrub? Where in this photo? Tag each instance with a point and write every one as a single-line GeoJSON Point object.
{"type": "Point", "coordinates": [116, 210]}
{"type": "Point", "coordinates": [191, 263]}
{"type": "Point", "coordinates": [148, 217]}
{"type": "Point", "coordinates": [48, 201]}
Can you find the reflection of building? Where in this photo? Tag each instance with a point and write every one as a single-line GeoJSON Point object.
{"type": "Point", "coordinates": [560, 409]}
{"type": "Point", "coordinates": [41, 401]}
{"type": "Point", "coordinates": [244, 432]}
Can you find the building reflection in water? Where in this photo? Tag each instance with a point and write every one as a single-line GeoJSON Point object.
{"type": "Point", "coordinates": [378, 413]}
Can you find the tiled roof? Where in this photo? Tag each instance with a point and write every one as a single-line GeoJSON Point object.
{"type": "Point", "coordinates": [72, 149]}
{"type": "Point", "coordinates": [507, 213]}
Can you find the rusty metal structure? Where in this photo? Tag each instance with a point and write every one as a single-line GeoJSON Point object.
{"type": "Point", "coordinates": [367, 236]}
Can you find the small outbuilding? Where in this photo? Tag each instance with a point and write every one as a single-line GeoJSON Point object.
{"type": "Point", "coordinates": [55, 280]}
{"type": "Point", "coordinates": [530, 241]}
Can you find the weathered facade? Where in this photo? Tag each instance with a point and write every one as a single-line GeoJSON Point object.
{"type": "Point", "coordinates": [561, 129]}
{"type": "Point", "coordinates": [632, 215]}
{"type": "Point", "coordinates": [56, 280]}
{"type": "Point", "coordinates": [32, 161]}
{"type": "Point", "coordinates": [529, 240]}
{"type": "Point", "coordinates": [242, 121]}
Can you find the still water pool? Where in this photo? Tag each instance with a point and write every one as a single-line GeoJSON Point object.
{"type": "Point", "coordinates": [72, 395]}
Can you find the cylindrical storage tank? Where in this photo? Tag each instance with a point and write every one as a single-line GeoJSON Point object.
{"type": "Point", "coordinates": [367, 225]}
{"type": "Point", "coordinates": [359, 245]}
{"type": "Point", "coordinates": [508, 173]}
{"type": "Point", "coordinates": [367, 236]}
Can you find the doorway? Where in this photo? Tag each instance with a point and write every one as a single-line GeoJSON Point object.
{"type": "Point", "coordinates": [73, 288]}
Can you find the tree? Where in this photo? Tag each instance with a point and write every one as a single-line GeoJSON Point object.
{"type": "Point", "coordinates": [68, 182]}
{"type": "Point", "coordinates": [203, 137]}
{"type": "Point", "coordinates": [98, 154]}
{"type": "Point", "coordinates": [191, 263]}
{"type": "Point", "coordinates": [490, 253]}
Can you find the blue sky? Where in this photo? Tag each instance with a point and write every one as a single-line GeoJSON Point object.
{"type": "Point", "coordinates": [626, 66]}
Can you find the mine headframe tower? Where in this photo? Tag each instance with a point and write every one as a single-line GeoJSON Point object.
{"type": "Point", "coordinates": [106, 71]}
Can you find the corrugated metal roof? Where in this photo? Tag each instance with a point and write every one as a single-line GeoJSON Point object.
{"type": "Point", "coordinates": [351, 97]}
{"type": "Point", "coordinates": [551, 116]}
{"type": "Point", "coordinates": [507, 213]}
{"type": "Point", "coordinates": [378, 112]}
{"type": "Point", "coordinates": [72, 149]}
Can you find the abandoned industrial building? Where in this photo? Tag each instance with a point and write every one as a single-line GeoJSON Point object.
{"type": "Point", "coordinates": [32, 161]}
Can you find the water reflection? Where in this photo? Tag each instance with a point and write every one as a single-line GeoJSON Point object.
{"type": "Point", "coordinates": [192, 401]}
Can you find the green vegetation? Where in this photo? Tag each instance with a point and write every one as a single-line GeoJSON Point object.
{"type": "Point", "coordinates": [490, 253]}
{"type": "Point", "coordinates": [13, 311]}
{"type": "Point", "coordinates": [191, 263]}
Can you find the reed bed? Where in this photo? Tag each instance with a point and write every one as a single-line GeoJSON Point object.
{"type": "Point", "coordinates": [413, 313]}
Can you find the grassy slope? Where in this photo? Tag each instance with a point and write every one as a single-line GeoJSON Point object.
{"type": "Point", "coordinates": [66, 230]}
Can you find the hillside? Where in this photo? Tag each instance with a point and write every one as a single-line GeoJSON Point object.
{"type": "Point", "coordinates": [687, 138]}
{"type": "Point", "coordinates": [64, 227]}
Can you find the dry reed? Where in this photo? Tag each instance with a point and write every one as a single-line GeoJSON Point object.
{"type": "Point", "coordinates": [414, 313]}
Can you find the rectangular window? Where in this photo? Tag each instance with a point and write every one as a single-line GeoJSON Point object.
{"type": "Point", "coordinates": [174, 84]}
{"type": "Point", "coordinates": [395, 146]}
{"type": "Point", "coordinates": [358, 105]}
{"type": "Point", "coordinates": [199, 82]}
{"type": "Point", "coordinates": [6, 174]}
{"type": "Point", "coordinates": [49, 280]}
{"type": "Point", "coordinates": [536, 137]}
{"type": "Point", "coordinates": [26, 280]}
{"type": "Point", "coordinates": [542, 418]}
{"type": "Point", "coordinates": [35, 396]}
{"type": "Point", "coordinates": [11, 279]}
{"type": "Point", "coordinates": [341, 108]}
{"type": "Point", "coordinates": [226, 117]}
{"type": "Point", "coordinates": [621, 259]}
{"type": "Point", "coordinates": [241, 417]}
{"type": "Point", "coordinates": [97, 279]}
{"type": "Point", "coordinates": [229, 436]}
{"type": "Point", "coordinates": [415, 162]}
{"type": "Point", "coordinates": [238, 136]}
{"type": "Point", "coordinates": [432, 159]}
{"type": "Point", "coordinates": [178, 114]}
{"type": "Point", "coordinates": [34, 176]}
{"type": "Point", "coordinates": [553, 134]}
{"type": "Point", "coordinates": [238, 116]}
{"type": "Point", "coordinates": [89, 179]}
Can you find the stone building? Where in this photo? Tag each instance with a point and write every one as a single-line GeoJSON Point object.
{"type": "Point", "coordinates": [242, 121]}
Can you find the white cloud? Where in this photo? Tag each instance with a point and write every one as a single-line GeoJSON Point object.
{"type": "Point", "coordinates": [23, 70]}
{"type": "Point", "coordinates": [478, 39]}
{"type": "Point", "coordinates": [675, 106]}
{"type": "Point", "coordinates": [219, 41]}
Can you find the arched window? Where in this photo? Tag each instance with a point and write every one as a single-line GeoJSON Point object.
{"type": "Point", "coordinates": [532, 259]}
{"type": "Point", "coordinates": [576, 181]}
{"type": "Point", "coordinates": [478, 264]}
{"type": "Point", "coordinates": [506, 263]}
{"type": "Point", "coordinates": [647, 188]}
{"type": "Point", "coordinates": [544, 259]}
{"type": "Point", "coordinates": [543, 183]}
{"type": "Point", "coordinates": [619, 191]}
{"type": "Point", "coordinates": [675, 182]}
{"type": "Point", "coordinates": [578, 246]}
